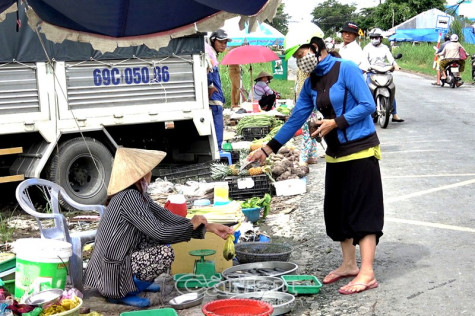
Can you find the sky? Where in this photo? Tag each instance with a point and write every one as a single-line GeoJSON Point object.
{"type": "Point", "coordinates": [302, 9]}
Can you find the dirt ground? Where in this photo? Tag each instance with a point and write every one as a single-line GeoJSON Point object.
{"type": "Point", "coordinates": [297, 220]}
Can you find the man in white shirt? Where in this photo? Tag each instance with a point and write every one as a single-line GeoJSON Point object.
{"type": "Point", "coordinates": [350, 49]}
{"type": "Point", "coordinates": [377, 53]}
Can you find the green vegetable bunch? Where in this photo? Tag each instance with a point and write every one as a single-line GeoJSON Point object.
{"type": "Point", "coordinates": [255, 121]}
{"type": "Point", "coordinates": [263, 202]}
{"type": "Point", "coordinates": [283, 110]}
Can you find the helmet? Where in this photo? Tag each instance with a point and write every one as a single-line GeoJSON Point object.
{"type": "Point", "coordinates": [376, 32]}
{"type": "Point", "coordinates": [296, 38]}
{"type": "Point", "coordinates": [220, 35]}
{"type": "Point", "coordinates": [454, 38]}
{"type": "Point", "coordinates": [446, 37]}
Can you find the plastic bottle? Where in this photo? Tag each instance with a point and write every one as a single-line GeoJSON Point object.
{"type": "Point", "coordinates": [221, 193]}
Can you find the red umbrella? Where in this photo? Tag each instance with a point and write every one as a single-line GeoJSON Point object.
{"type": "Point", "coordinates": [249, 55]}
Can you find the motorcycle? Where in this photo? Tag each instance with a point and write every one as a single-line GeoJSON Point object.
{"type": "Point", "coordinates": [450, 78]}
{"type": "Point", "coordinates": [383, 90]}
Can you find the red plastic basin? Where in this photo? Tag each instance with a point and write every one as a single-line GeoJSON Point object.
{"type": "Point", "coordinates": [237, 307]}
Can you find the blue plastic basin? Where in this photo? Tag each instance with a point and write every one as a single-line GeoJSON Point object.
{"type": "Point", "coordinates": [252, 214]}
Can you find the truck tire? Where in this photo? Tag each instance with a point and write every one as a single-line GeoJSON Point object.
{"type": "Point", "coordinates": [73, 169]}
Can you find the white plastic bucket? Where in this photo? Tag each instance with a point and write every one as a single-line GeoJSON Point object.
{"type": "Point", "coordinates": [41, 264]}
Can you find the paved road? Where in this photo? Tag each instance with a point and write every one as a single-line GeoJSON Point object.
{"type": "Point", "coordinates": [426, 260]}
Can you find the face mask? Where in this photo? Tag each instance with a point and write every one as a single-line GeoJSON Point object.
{"type": "Point", "coordinates": [375, 41]}
{"type": "Point", "coordinates": [307, 63]}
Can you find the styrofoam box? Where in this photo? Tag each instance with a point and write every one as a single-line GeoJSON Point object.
{"type": "Point", "coordinates": [290, 187]}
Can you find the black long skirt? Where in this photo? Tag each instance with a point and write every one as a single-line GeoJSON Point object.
{"type": "Point", "coordinates": [353, 205]}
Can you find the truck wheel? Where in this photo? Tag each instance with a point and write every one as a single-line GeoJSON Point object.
{"type": "Point", "coordinates": [83, 178]}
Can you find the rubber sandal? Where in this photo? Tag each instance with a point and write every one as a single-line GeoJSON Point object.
{"type": "Point", "coordinates": [337, 278]}
{"type": "Point", "coordinates": [154, 287]}
{"type": "Point", "coordinates": [365, 287]}
{"type": "Point", "coordinates": [131, 300]}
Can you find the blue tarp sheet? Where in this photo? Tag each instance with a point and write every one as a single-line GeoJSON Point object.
{"type": "Point", "coordinates": [124, 18]}
{"type": "Point", "coordinates": [427, 35]}
{"type": "Point", "coordinates": [469, 35]}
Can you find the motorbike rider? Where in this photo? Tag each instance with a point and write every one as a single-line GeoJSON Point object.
{"type": "Point", "coordinates": [439, 70]}
{"type": "Point", "coordinates": [376, 53]}
{"type": "Point", "coordinates": [451, 53]}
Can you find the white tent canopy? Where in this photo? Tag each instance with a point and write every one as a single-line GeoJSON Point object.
{"type": "Point", "coordinates": [430, 19]}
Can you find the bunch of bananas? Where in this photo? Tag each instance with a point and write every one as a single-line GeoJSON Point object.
{"type": "Point", "coordinates": [228, 251]}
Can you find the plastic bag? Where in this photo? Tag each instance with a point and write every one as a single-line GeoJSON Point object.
{"type": "Point", "coordinates": [462, 53]}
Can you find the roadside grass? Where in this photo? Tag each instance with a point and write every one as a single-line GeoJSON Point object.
{"type": "Point", "coordinates": [6, 231]}
{"type": "Point", "coordinates": [420, 58]}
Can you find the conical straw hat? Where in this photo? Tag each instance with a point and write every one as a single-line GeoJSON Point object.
{"type": "Point", "coordinates": [263, 74]}
{"type": "Point", "coordinates": [130, 165]}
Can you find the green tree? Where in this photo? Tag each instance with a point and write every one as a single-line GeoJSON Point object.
{"type": "Point", "coordinates": [281, 20]}
{"type": "Point", "coordinates": [331, 15]}
{"type": "Point", "coordinates": [366, 18]}
{"type": "Point", "coordinates": [393, 12]}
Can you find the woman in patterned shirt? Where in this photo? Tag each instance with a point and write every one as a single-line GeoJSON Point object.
{"type": "Point", "coordinates": [133, 237]}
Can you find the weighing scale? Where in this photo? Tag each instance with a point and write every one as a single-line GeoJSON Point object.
{"type": "Point", "coordinates": [202, 266]}
{"type": "Point", "coordinates": [204, 272]}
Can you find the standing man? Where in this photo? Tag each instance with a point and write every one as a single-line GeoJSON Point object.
{"type": "Point", "coordinates": [219, 40]}
{"type": "Point", "coordinates": [350, 49]}
{"type": "Point", "coordinates": [235, 78]}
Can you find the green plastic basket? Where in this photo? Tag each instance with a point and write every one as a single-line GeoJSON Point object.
{"type": "Point", "coordinates": [301, 284]}
{"type": "Point", "coordinates": [152, 312]}
{"type": "Point", "coordinates": [192, 281]}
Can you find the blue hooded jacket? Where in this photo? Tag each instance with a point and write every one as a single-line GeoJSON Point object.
{"type": "Point", "coordinates": [356, 129]}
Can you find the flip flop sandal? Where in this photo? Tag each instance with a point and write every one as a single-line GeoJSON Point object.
{"type": "Point", "coordinates": [338, 277]}
{"type": "Point", "coordinates": [365, 287]}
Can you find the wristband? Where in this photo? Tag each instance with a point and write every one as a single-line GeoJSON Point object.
{"type": "Point", "coordinates": [265, 153]}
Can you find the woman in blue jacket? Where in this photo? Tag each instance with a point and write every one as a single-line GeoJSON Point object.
{"type": "Point", "coordinates": [353, 204]}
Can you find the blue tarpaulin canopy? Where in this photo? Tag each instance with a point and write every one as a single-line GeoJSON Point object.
{"type": "Point", "coordinates": [264, 35]}
{"type": "Point", "coordinates": [108, 24]}
{"type": "Point", "coordinates": [428, 35]}
{"type": "Point", "coordinates": [469, 35]}
{"type": "Point", "coordinates": [122, 18]}
{"type": "Point", "coordinates": [415, 35]}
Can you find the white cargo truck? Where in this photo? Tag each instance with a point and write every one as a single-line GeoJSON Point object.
{"type": "Point", "coordinates": [65, 108]}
